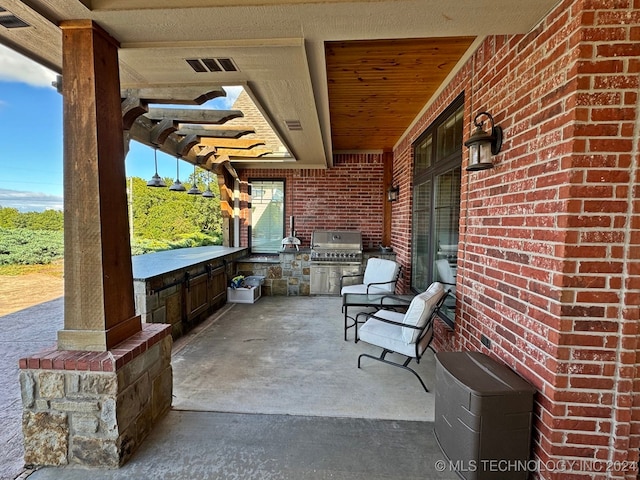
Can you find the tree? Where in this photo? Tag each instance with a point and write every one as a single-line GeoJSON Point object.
{"type": "Point", "coordinates": [165, 216]}
{"type": "Point", "coordinates": [8, 217]}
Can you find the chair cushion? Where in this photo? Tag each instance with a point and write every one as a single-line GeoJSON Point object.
{"type": "Point", "coordinates": [420, 310]}
{"type": "Point", "coordinates": [386, 335]}
{"type": "Point", "coordinates": [381, 270]}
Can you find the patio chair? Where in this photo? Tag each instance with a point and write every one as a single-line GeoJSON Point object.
{"type": "Point", "coordinates": [445, 272]}
{"type": "Point", "coordinates": [408, 334]}
{"type": "Point", "coordinates": [380, 276]}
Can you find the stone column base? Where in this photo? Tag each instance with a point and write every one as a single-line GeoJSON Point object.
{"type": "Point", "coordinates": [94, 409]}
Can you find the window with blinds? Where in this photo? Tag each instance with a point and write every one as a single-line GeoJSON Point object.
{"type": "Point", "coordinates": [267, 215]}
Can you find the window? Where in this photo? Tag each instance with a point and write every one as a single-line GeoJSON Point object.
{"type": "Point", "coordinates": [267, 215]}
{"type": "Point", "coordinates": [436, 205]}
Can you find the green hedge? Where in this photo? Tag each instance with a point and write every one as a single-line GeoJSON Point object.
{"type": "Point", "coordinates": [30, 247]}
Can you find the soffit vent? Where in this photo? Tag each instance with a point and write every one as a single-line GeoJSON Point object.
{"type": "Point", "coordinates": [293, 125]}
{"type": "Point", "coordinates": [200, 65]}
{"type": "Point", "coordinates": [9, 20]}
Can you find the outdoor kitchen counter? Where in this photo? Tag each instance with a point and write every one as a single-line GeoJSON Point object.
{"type": "Point", "coordinates": [285, 273]}
{"type": "Point", "coordinates": [151, 265]}
{"type": "Point", "coordinates": [182, 286]}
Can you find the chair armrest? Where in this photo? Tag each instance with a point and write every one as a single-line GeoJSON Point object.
{"type": "Point", "coordinates": [380, 283]}
{"type": "Point", "coordinates": [396, 298]}
{"type": "Point", "coordinates": [350, 276]}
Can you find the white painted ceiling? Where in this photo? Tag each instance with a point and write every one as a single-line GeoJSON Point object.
{"type": "Point", "coordinates": [278, 45]}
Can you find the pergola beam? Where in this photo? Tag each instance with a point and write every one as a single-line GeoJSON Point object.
{"type": "Point", "coordinates": [193, 115]}
{"type": "Point", "coordinates": [232, 143]}
{"type": "Point", "coordinates": [161, 131]}
{"type": "Point", "coordinates": [215, 131]}
{"type": "Point", "coordinates": [174, 95]}
{"type": "Point", "coordinates": [253, 153]}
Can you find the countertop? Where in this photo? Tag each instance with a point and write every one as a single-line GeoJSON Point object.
{"type": "Point", "coordinates": [153, 264]}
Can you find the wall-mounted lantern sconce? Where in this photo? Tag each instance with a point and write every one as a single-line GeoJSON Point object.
{"type": "Point", "coordinates": [483, 145]}
{"type": "Point", "coordinates": [392, 193]}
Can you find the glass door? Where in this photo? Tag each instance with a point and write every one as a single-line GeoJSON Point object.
{"type": "Point", "coordinates": [436, 205]}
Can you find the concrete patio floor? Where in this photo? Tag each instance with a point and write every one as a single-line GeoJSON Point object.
{"type": "Point", "coordinates": [271, 390]}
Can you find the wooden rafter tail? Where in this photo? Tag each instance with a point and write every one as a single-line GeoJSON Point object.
{"type": "Point", "coordinates": [186, 144]}
{"type": "Point", "coordinates": [203, 156]}
{"type": "Point", "coordinates": [193, 115]}
{"type": "Point", "coordinates": [161, 131]}
{"type": "Point", "coordinates": [242, 144]}
{"type": "Point", "coordinates": [132, 108]}
{"type": "Point", "coordinates": [253, 153]}
{"type": "Point", "coordinates": [174, 95]}
{"type": "Point", "coordinates": [215, 131]}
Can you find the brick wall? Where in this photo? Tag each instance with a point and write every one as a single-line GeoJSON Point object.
{"type": "Point", "coordinates": [548, 259]}
{"type": "Point", "coordinates": [349, 196]}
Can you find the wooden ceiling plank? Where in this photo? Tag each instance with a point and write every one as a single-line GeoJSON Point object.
{"type": "Point", "coordinates": [377, 87]}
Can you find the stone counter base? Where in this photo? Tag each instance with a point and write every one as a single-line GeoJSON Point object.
{"type": "Point", "coordinates": [94, 409]}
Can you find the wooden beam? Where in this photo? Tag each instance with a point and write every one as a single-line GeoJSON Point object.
{"type": "Point", "coordinates": [161, 131]}
{"type": "Point", "coordinates": [175, 146]}
{"type": "Point", "coordinates": [174, 95]}
{"type": "Point", "coordinates": [194, 115]}
{"type": "Point", "coordinates": [215, 131]}
{"type": "Point", "coordinates": [204, 154]}
{"type": "Point", "coordinates": [253, 153]}
{"type": "Point", "coordinates": [186, 144]}
{"type": "Point", "coordinates": [132, 108]}
{"type": "Point", "coordinates": [232, 143]}
{"type": "Point", "coordinates": [99, 307]}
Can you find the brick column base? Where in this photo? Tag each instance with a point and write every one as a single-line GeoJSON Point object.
{"type": "Point", "coordinates": [94, 409]}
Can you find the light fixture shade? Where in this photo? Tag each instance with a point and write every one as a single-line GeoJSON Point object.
{"type": "Point", "coordinates": [483, 145]}
{"type": "Point", "coordinates": [156, 180]}
{"type": "Point", "coordinates": [194, 188]}
{"type": "Point", "coordinates": [392, 193]}
{"type": "Point", "coordinates": [208, 193]}
{"type": "Point", "coordinates": [177, 186]}
{"type": "Point", "coordinates": [479, 150]}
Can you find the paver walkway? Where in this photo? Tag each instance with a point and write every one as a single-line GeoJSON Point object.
{"type": "Point", "coordinates": [23, 332]}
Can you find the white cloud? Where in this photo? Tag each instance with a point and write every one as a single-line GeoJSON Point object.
{"type": "Point", "coordinates": [30, 201]}
{"type": "Point", "coordinates": [15, 67]}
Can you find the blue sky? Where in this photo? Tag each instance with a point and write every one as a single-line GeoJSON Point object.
{"type": "Point", "coordinates": [31, 150]}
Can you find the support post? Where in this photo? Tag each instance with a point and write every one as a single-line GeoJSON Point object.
{"type": "Point", "coordinates": [99, 309]}
{"type": "Point", "coordinates": [93, 399]}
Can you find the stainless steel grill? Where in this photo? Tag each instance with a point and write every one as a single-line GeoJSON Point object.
{"type": "Point", "coordinates": [336, 246]}
{"type": "Point", "coordinates": [334, 253]}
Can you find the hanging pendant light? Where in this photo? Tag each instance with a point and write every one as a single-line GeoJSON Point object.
{"type": "Point", "coordinates": [177, 186]}
{"type": "Point", "coordinates": [156, 180]}
{"type": "Point", "coordinates": [208, 193]}
{"type": "Point", "coordinates": [194, 188]}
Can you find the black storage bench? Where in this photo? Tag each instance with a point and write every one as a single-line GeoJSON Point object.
{"type": "Point", "coordinates": [483, 416]}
